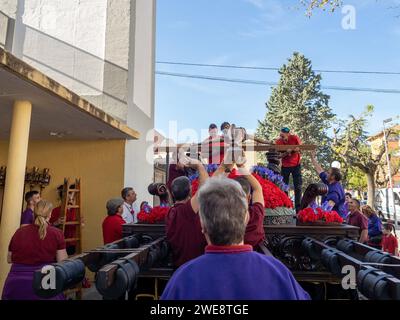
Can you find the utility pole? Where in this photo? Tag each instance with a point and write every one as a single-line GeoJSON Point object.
{"type": "Point", "coordinates": [385, 141]}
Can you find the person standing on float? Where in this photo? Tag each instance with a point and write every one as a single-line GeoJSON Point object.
{"type": "Point", "coordinates": [291, 163]}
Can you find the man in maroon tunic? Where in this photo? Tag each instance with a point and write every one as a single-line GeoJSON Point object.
{"type": "Point", "coordinates": [255, 234]}
{"type": "Point", "coordinates": [183, 227]}
{"type": "Point", "coordinates": [357, 219]}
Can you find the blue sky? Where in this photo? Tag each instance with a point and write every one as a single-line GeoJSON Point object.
{"type": "Point", "coordinates": [266, 33]}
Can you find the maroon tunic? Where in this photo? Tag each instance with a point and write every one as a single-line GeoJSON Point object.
{"type": "Point", "coordinates": [112, 228]}
{"type": "Point", "coordinates": [184, 233]}
{"type": "Point", "coordinates": [255, 228]}
{"type": "Point", "coordinates": [28, 254]}
{"type": "Point", "coordinates": [27, 248]}
{"type": "Point", "coordinates": [357, 219]}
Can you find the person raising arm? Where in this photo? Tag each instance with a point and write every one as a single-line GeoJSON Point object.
{"type": "Point", "coordinates": [183, 229]}
{"type": "Point", "coordinates": [255, 233]}
{"type": "Point", "coordinates": [336, 196]}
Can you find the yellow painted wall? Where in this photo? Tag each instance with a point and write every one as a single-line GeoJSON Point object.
{"type": "Point", "coordinates": [99, 164]}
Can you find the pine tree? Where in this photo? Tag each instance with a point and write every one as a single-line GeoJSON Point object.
{"type": "Point", "coordinates": [298, 103]}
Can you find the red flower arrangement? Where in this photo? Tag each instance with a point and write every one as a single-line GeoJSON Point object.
{"type": "Point", "coordinates": [274, 197]}
{"type": "Point", "coordinates": [308, 215]}
{"type": "Point", "coordinates": [157, 214]}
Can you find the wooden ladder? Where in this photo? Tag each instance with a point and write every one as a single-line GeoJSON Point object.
{"type": "Point", "coordinates": [77, 222]}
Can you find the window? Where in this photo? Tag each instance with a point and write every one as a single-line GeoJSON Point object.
{"type": "Point", "coordinates": [396, 199]}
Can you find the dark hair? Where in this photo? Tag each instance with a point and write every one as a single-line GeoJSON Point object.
{"type": "Point", "coordinates": [29, 195]}
{"type": "Point", "coordinates": [60, 189]}
{"type": "Point", "coordinates": [225, 124]}
{"type": "Point", "coordinates": [390, 227]}
{"type": "Point", "coordinates": [348, 194]}
{"type": "Point", "coordinates": [357, 201]}
{"type": "Point", "coordinates": [245, 184]}
{"type": "Point", "coordinates": [335, 172]}
{"type": "Point", "coordinates": [212, 126]}
{"type": "Point", "coordinates": [125, 191]}
{"type": "Point", "coordinates": [180, 188]}
{"type": "Point", "coordinates": [311, 193]}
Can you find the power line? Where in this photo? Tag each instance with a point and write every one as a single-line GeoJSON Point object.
{"type": "Point", "coordinates": [273, 68]}
{"type": "Point", "coordinates": [268, 83]}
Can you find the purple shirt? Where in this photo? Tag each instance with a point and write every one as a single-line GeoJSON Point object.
{"type": "Point", "coordinates": [335, 194]}
{"type": "Point", "coordinates": [233, 273]}
{"type": "Point", "coordinates": [27, 216]}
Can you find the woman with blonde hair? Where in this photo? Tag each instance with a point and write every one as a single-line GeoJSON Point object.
{"type": "Point", "coordinates": [31, 248]}
{"type": "Point", "coordinates": [374, 227]}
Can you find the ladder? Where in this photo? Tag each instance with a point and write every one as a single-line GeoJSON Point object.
{"type": "Point", "coordinates": [78, 222]}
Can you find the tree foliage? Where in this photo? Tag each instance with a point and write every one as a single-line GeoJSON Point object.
{"type": "Point", "coordinates": [325, 5]}
{"type": "Point", "coordinates": [299, 103]}
{"type": "Point", "coordinates": [351, 145]}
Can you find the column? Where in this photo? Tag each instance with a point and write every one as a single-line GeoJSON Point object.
{"type": "Point", "coordinates": [15, 180]}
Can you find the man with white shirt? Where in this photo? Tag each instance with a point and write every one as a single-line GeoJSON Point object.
{"type": "Point", "coordinates": [130, 208]}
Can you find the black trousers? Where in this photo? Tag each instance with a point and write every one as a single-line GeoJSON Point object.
{"type": "Point", "coordinates": [297, 182]}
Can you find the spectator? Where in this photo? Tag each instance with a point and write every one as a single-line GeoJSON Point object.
{"type": "Point", "coordinates": [347, 197]}
{"type": "Point", "coordinates": [332, 178]}
{"type": "Point", "coordinates": [130, 207]}
{"type": "Point", "coordinates": [357, 219]}
{"type": "Point", "coordinates": [389, 241]}
{"type": "Point", "coordinates": [57, 219]}
{"type": "Point", "coordinates": [31, 248]}
{"type": "Point", "coordinates": [374, 227]}
{"type": "Point", "coordinates": [31, 199]}
{"type": "Point", "coordinates": [230, 270]}
{"type": "Point", "coordinates": [381, 215]}
{"type": "Point", "coordinates": [291, 163]}
{"type": "Point", "coordinates": [183, 228]}
{"type": "Point", "coordinates": [112, 224]}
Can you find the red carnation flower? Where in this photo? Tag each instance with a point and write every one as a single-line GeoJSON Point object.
{"type": "Point", "coordinates": [157, 214]}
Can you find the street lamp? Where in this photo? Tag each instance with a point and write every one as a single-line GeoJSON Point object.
{"type": "Point", "coordinates": [389, 168]}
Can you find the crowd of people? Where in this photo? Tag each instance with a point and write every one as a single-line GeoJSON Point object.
{"type": "Point", "coordinates": [214, 234]}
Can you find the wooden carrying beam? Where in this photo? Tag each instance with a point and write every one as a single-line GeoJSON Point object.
{"type": "Point", "coordinates": [72, 271]}
{"type": "Point", "coordinates": [373, 283]}
{"type": "Point", "coordinates": [245, 147]}
{"type": "Point", "coordinates": [120, 276]}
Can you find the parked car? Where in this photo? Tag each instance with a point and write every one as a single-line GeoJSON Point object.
{"type": "Point", "coordinates": [384, 202]}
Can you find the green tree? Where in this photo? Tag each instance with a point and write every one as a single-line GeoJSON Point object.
{"type": "Point", "coordinates": [330, 5]}
{"type": "Point", "coordinates": [298, 103]}
{"type": "Point", "coordinates": [355, 179]}
{"type": "Point", "coordinates": [351, 145]}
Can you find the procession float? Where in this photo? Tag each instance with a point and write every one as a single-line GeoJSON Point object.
{"type": "Point", "coordinates": [315, 245]}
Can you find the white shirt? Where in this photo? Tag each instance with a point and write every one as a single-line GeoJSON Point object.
{"type": "Point", "coordinates": [130, 212]}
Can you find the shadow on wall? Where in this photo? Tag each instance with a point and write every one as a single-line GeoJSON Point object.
{"type": "Point", "coordinates": [101, 82]}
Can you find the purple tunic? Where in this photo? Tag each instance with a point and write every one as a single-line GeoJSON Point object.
{"type": "Point", "coordinates": [18, 285]}
{"type": "Point", "coordinates": [27, 216]}
{"type": "Point", "coordinates": [233, 273]}
{"type": "Point", "coordinates": [335, 194]}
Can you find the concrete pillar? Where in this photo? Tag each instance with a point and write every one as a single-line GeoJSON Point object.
{"type": "Point", "coordinates": [15, 179]}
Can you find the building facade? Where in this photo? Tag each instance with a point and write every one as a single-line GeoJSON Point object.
{"type": "Point", "coordinates": [77, 83]}
{"type": "Point", "coordinates": [393, 143]}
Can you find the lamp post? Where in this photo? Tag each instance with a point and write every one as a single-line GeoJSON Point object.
{"type": "Point", "coordinates": [389, 168]}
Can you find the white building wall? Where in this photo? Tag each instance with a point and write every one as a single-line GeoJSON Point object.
{"type": "Point", "coordinates": [139, 162]}
{"type": "Point", "coordinates": [71, 41]}
{"type": "Point", "coordinates": [103, 50]}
